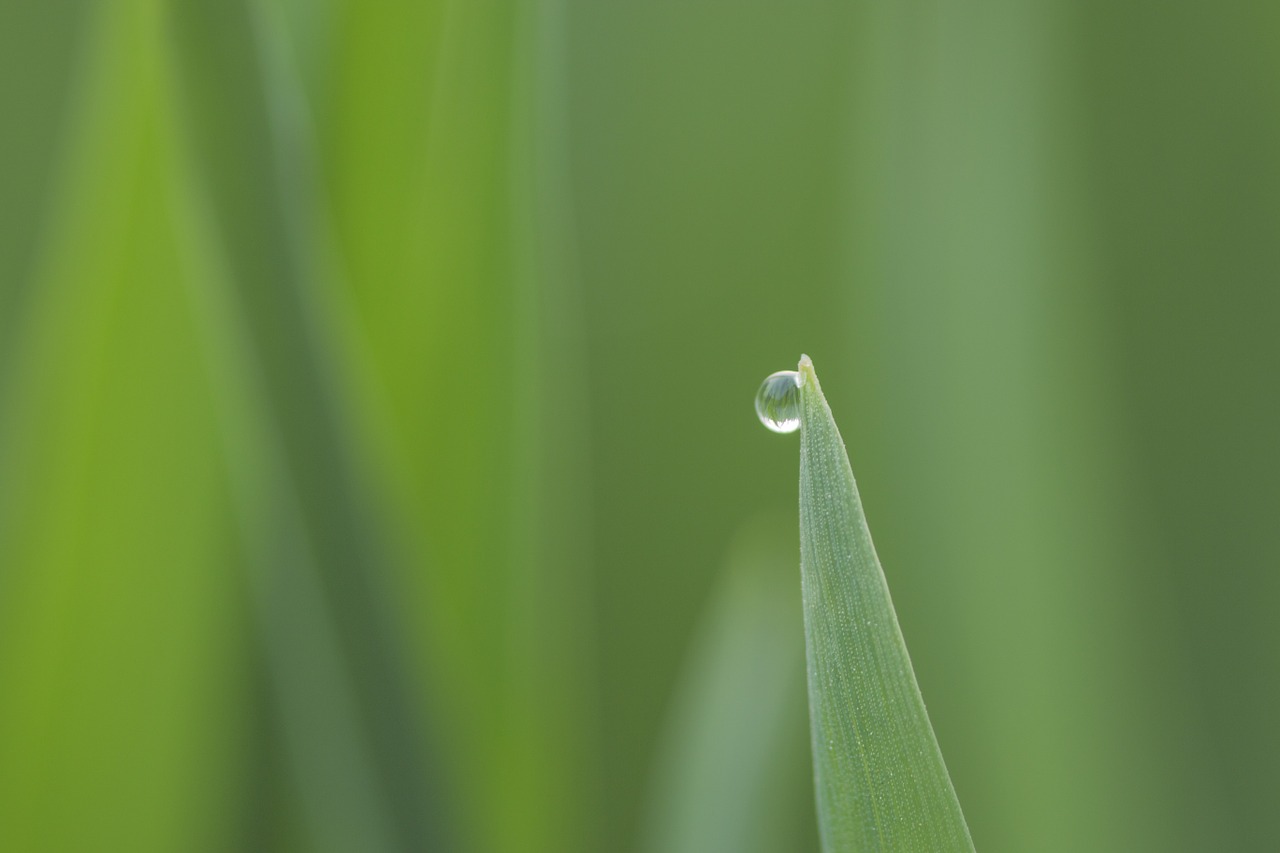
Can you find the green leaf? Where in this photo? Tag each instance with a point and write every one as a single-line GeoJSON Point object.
{"type": "Point", "coordinates": [728, 772]}
{"type": "Point", "coordinates": [881, 781]}
{"type": "Point", "coordinates": [346, 716]}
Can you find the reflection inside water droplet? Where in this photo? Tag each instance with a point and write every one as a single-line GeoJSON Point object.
{"type": "Point", "coordinates": [778, 401]}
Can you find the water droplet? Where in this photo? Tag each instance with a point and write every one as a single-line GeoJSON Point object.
{"type": "Point", "coordinates": [778, 401]}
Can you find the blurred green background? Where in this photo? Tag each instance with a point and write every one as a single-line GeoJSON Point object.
{"type": "Point", "coordinates": [377, 463]}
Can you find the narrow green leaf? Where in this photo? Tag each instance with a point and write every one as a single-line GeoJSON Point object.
{"type": "Point", "coordinates": [729, 770]}
{"type": "Point", "coordinates": [119, 627]}
{"type": "Point", "coordinates": [350, 724]}
{"type": "Point", "coordinates": [881, 781]}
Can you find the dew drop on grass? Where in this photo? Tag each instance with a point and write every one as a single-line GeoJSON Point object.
{"type": "Point", "coordinates": [778, 401]}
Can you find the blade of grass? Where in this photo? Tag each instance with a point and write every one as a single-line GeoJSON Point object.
{"type": "Point", "coordinates": [420, 175]}
{"type": "Point", "coordinates": [881, 781]}
{"type": "Point", "coordinates": [349, 719]}
{"type": "Point", "coordinates": [729, 771]}
{"type": "Point", "coordinates": [553, 735]}
{"type": "Point", "coordinates": [452, 225]}
{"type": "Point", "coordinates": [118, 722]}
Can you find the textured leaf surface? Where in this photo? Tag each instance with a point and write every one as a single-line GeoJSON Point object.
{"type": "Point", "coordinates": [881, 781]}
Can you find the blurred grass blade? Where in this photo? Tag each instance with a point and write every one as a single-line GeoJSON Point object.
{"type": "Point", "coordinates": [119, 715]}
{"type": "Point", "coordinates": [881, 781]}
{"type": "Point", "coordinates": [347, 715]}
{"type": "Point", "coordinates": [729, 774]}
{"type": "Point", "coordinates": [36, 83]}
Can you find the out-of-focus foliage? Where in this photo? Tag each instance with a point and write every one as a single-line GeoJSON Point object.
{"type": "Point", "coordinates": [375, 412]}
